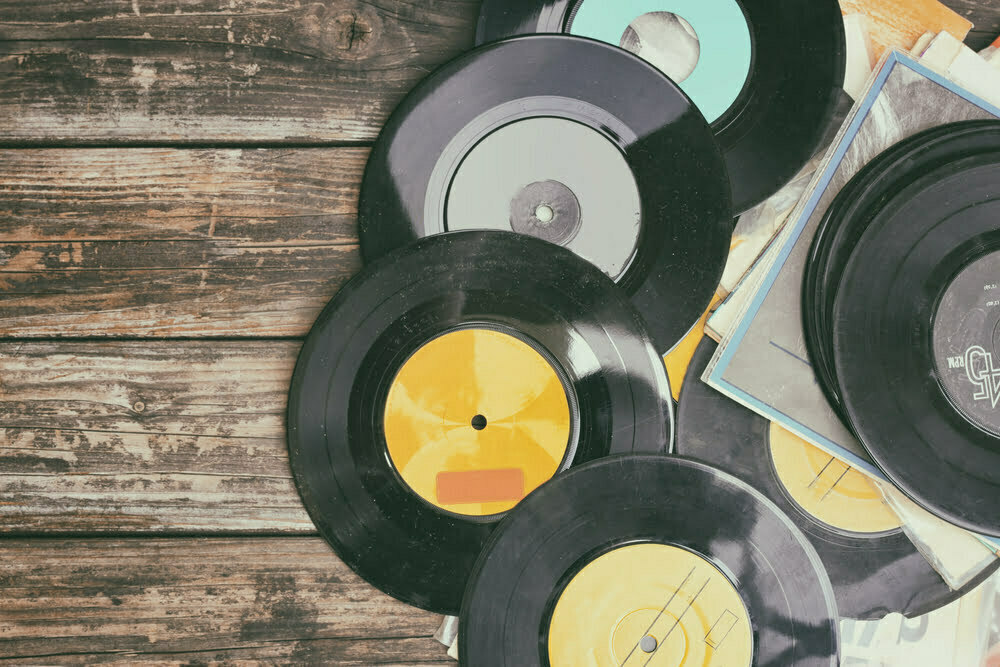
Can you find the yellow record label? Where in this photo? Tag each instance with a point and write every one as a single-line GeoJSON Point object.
{"type": "Point", "coordinates": [827, 488]}
{"type": "Point", "coordinates": [650, 604]}
{"type": "Point", "coordinates": [475, 420]}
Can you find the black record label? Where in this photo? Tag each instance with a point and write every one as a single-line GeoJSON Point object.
{"type": "Point", "coordinates": [967, 339]}
{"type": "Point", "coordinates": [912, 273]}
{"type": "Point", "coordinates": [446, 383]}
{"type": "Point", "coordinates": [849, 216]}
{"type": "Point", "coordinates": [874, 568]}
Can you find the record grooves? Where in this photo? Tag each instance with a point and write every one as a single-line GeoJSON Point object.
{"type": "Point", "coordinates": [448, 380]}
{"type": "Point", "coordinates": [873, 573]}
{"type": "Point", "coordinates": [606, 560]}
{"type": "Point", "coordinates": [768, 76]}
{"type": "Point", "coordinates": [851, 212]}
{"type": "Point", "coordinates": [901, 319]}
{"type": "Point", "coordinates": [610, 160]}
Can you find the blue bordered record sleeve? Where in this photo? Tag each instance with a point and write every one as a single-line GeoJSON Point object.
{"type": "Point", "coordinates": [762, 362]}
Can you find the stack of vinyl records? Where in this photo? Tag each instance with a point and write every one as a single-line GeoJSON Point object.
{"type": "Point", "coordinates": [901, 311]}
{"type": "Point", "coordinates": [480, 423]}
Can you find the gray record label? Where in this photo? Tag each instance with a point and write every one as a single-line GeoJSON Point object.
{"type": "Point", "coordinates": [967, 342]}
{"type": "Point", "coordinates": [555, 179]}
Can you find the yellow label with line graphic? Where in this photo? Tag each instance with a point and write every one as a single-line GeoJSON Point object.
{"type": "Point", "coordinates": [826, 487]}
{"type": "Point", "coordinates": [650, 604]}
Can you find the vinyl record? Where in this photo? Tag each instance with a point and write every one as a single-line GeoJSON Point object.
{"type": "Point", "coordinates": [850, 214]}
{"type": "Point", "coordinates": [569, 140]}
{"type": "Point", "coordinates": [768, 76]}
{"type": "Point", "coordinates": [648, 560]}
{"type": "Point", "coordinates": [874, 568]}
{"type": "Point", "coordinates": [915, 327]}
{"type": "Point", "coordinates": [448, 380]}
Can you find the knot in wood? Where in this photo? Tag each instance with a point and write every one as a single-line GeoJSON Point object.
{"type": "Point", "coordinates": [350, 31]}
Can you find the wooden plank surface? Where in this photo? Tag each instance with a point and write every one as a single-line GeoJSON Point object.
{"type": "Point", "coordinates": [290, 600]}
{"type": "Point", "coordinates": [201, 242]}
{"type": "Point", "coordinates": [385, 651]}
{"type": "Point", "coordinates": [167, 242]}
{"type": "Point", "coordinates": [220, 241]}
{"type": "Point", "coordinates": [178, 437]}
{"type": "Point", "coordinates": [202, 71]}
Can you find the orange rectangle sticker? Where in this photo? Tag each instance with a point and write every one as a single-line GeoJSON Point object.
{"type": "Point", "coordinates": [480, 486]}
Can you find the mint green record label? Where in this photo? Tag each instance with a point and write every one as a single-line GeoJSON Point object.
{"type": "Point", "coordinates": [708, 52]}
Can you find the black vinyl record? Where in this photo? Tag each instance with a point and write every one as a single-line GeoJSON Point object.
{"type": "Point", "coordinates": [873, 573]}
{"type": "Point", "coordinates": [610, 559]}
{"type": "Point", "coordinates": [569, 140]}
{"type": "Point", "coordinates": [851, 212]}
{"type": "Point", "coordinates": [767, 75]}
{"type": "Point", "coordinates": [915, 329]}
{"type": "Point", "coordinates": [872, 300]}
{"type": "Point", "coordinates": [448, 380]}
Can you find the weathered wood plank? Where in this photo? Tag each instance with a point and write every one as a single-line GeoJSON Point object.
{"type": "Point", "coordinates": [252, 70]}
{"type": "Point", "coordinates": [254, 195]}
{"type": "Point", "coordinates": [207, 71]}
{"type": "Point", "coordinates": [163, 242]}
{"type": "Point", "coordinates": [285, 599]}
{"type": "Point", "coordinates": [279, 24]}
{"type": "Point", "coordinates": [146, 438]}
{"type": "Point", "coordinates": [387, 652]}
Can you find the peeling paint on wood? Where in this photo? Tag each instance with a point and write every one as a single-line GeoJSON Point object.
{"type": "Point", "coordinates": [144, 438]}
{"type": "Point", "coordinates": [206, 452]}
{"type": "Point", "coordinates": [259, 71]}
{"type": "Point", "coordinates": [290, 599]}
{"type": "Point", "coordinates": [166, 242]}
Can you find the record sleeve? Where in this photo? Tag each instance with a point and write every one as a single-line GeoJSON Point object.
{"type": "Point", "coordinates": [874, 568]}
{"type": "Point", "coordinates": [905, 98]}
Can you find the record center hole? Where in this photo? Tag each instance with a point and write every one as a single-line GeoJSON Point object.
{"type": "Point", "coordinates": [479, 422]}
{"type": "Point", "coordinates": [544, 213]}
{"type": "Point", "coordinates": [647, 644]}
{"type": "Point", "coordinates": [666, 41]}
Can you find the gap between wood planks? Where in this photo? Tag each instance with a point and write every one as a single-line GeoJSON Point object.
{"type": "Point", "coordinates": [289, 599]}
{"type": "Point", "coordinates": [174, 243]}
{"type": "Point", "coordinates": [260, 72]}
{"type": "Point", "coordinates": [127, 436]}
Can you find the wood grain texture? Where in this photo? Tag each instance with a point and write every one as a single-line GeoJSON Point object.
{"type": "Point", "coordinates": [146, 438]}
{"type": "Point", "coordinates": [166, 242]}
{"type": "Point", "coordinates": [163, 437]}
{"type": "Point", "coordinates": [201, 71]}
{"type": "Point", "coordinates": [196, 600]}
{"type": "Point", "coordinates": [383, 651]}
